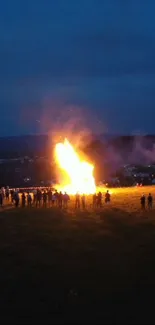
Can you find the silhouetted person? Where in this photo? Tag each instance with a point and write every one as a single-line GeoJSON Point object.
{"type": "Point", "coordinates": [66, 198]}
{"type": "Point", "coordinates": [49, 194]}
{"type": "Point", "coordinates": [34, 197]}
{"type": "Point", "coordinates": [56, 198]}
{"type": "Point", "coordinates": [107, 197]}
{"type": "Point", "coordinates": [83, 201]}
{"type": "Point", "coordinates": [23, 200]}
{"type": "Point", "coordinates": [44, 199]}
{"type": "Point", "coordinates": [38, 198]}
{"type": "Point", "coordinates": [99, 200]}
{"type": "Point", "coordinates": [3, 192]}
{"type": "Point", "coordinates": [142, 199]}
{"type": "Point", "coordinates": [1, 199]}
{"type": "Point", "coordinates": [16, 199]}
{"type": "Point", "coordinates": [12, 195]}
{"type": "Point", "coordinates": [77, 200]}
{"type": "Point", "coordinates": [29, 200]}
{"type": "Point", "coordinates": [94, 200]}
{"type": "Point", "coordinates": [53, 199]}
{"type": "Point", "coordinates": [149, 201]}
{"type": "Point", "coordinates": [7, 193]}
{"type": "Point", "coordinates": [60, 199]}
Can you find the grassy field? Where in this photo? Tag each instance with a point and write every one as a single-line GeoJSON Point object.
{"type": "Point", "coordinates": [60, 267]}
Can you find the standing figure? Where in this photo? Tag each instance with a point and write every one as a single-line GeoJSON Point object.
{"type": "Point", "coordinates": [53, 199]}
{"type": "Point", "coordinates": [23, 200]}
{"type": "Point", "coordinates": [12, 195]}
{"type": "Point", "coordinates": [142, 200]}
{"type": "Point", "coordinates": [34, 197]}
{"type": "Point", "coordinates": [107, 197]}
{"type": "Point", "coordinates": [94, 200]}
{"type": "Point", "coordinates": [49, 194]}
{"type": "Point", "coordinates": [83, 201]}
{"type": "Point", "coordinates": [56, 195]}
{"type": "Point", "coordinates": [7, 193]}
{"type": "Point", "coordinates": [38, 198]}
{"type": "Point", "coordinates": [66, 198]}
{"type": "Point", "coordinates": [99, 200]}
{"type": "Point", "coordinates": [60, 198]}
{"type": "Point", "coordinates": [77, 200]}
{"type": "Point", "coordinates": [1, 199]}
{"type": "Point", "coordinates": [16, 199]}
{"type": "Point", "coordinates": [149, 201]}
{"type": "Point", "coordinates": [44, 199]}
{"type": "Point", "coordinates": [29, 200]}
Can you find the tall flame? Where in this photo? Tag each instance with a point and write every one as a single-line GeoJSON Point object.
{"type": "Point", "coordinates": [80, 173]}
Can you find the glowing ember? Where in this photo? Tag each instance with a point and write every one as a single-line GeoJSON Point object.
{"type": "Point", "coordinates": [80, 173]}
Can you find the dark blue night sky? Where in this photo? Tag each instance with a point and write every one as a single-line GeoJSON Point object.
{"type": "Point", "coordinates": [89, 56]}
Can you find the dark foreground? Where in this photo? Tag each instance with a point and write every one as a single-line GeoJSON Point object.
{"type": "Point", "coordinates": [84, 267]}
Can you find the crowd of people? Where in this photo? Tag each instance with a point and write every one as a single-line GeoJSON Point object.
{"type": "Point", "coordinates": [49, 198]}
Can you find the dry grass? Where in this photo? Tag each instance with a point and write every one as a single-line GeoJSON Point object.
{"type": "Point", "coordinates": [79, 266]}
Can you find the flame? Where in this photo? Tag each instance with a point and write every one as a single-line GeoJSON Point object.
{"type": "Point", "coordinates": [80, 173]}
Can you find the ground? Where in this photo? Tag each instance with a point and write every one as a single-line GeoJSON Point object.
{"type": "Point", "coordinates": [79, 267]}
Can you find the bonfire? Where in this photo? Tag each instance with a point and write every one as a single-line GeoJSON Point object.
{"type": "Point", "coordinates": [77, 173]}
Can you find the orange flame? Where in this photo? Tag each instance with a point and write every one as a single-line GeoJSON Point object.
{"type": "Point", "coordinates": [80, 173]}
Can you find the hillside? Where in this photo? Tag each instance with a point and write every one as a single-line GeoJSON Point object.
{"type": "Point", "coordinates": [111, 147]}
{"type": "Point", "coordinates": [12, 147]}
